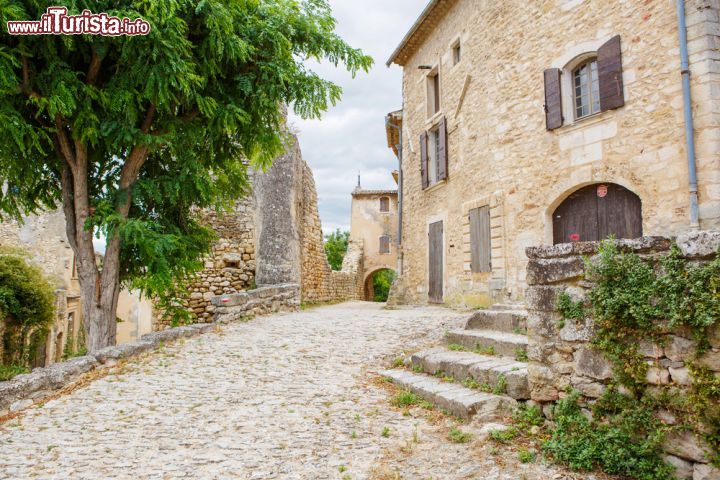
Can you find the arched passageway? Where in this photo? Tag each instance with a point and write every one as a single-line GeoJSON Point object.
{"type": "Point", "coordinates": [377, 285]}
{"type": "Point", "coordinates": [597, 211]}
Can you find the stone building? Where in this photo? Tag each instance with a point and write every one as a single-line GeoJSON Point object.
{"type": "Point", "coordinates": [544, 122]}
{"type": "Point", "coordinates": [373, 221]}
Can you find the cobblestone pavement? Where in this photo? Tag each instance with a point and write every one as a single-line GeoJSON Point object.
{"type": "Point", "coordinates": [286, 396]}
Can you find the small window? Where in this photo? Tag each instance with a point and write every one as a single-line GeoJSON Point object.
{"type": "Point", "coordinates": [586, 89]}
{"type": "Point", "coordinates": [385, 244]}
{"type": "Point", "coordinates": [457, 53]}
{"type": "Point", "coordinates": [433, 93]}
{"type": "Point", "coordinates": [433, 155]}
{"type": "Point", "coordinates": [384, 204]}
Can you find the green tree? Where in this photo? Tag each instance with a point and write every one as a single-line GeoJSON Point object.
{"type": "Point", "coordinates": [336, 244]}
{"type": "Point", "coordinates": [132, 134]}
{"type": "Point", "coordinates": [27, 307]}
{"type": "Point", "coordinates": [382, 280]}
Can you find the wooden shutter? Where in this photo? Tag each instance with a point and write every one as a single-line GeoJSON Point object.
{"type": "Point", "coordinates": [442, 150]}
{"type": "Point", "coordinates": [384, 244]}
{"type": "Point", "coordinates": [424, 160]}
{"type": "Point", "coordinates": [480, 248]}
{"type": "Point", "coordinates": [553, 99]}
{"type": "Point", "coordinates": [609, 62]}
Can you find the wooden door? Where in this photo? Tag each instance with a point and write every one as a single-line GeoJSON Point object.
{"type": "Point", "coordinates": [596, 212]}
{"type": "Point", "coordinates": [435, 262]}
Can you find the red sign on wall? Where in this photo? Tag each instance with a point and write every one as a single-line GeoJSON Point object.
{"type": "Point", "coordinates": [602, 191]}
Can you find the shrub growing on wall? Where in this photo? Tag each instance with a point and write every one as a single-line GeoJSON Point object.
{"type": "Point", "coordinates": [27, 307]}
{"type": "Point", "coordinates": [636, 300]}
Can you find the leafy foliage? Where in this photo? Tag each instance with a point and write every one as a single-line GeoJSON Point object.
{"type": "Point", "coordinates": [27, 304]}
{"type": "Point", "coordinates": [336, 245]}
{"type": "Point", "coordinates": [635, 300]}
{"type": "Point", "coordinates": [623, 438]}
{"type": "Point", "coordinates": [382, 281]}
{"type": "Point", "coordinates": [161, 121]}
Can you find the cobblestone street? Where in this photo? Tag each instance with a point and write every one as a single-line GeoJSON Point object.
{"type": "Point", "coordinates": [286, 396]}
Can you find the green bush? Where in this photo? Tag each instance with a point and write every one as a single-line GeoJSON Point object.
{"type": "Point", "coordinates": [382, 281]}
{"type": "Point", "coordinates": [336, 244]}
{"type": "Point", "coordinates": [623, 438]}
{"type": "Point", "coordinates": [27, 303]}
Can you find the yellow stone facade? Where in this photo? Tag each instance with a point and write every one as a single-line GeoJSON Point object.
{"type": "Point", "coordinates": [368, 223]}
{"type": "Point", "coordinates": [502, 156]}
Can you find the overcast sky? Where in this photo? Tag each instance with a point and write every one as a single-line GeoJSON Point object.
{"type": "Point", "coordinates": [351, 136]}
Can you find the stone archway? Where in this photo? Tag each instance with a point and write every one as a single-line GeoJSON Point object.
{"type": "Point", "coordinates": [372, 283]}
{"type": "Point", "coordinates": [597, 211]}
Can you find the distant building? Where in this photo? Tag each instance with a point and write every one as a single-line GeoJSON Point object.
{"type": "Point", "coordinates": [374, 222]}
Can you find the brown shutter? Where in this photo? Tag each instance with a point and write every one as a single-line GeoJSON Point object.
{"type": "Point", "coordinates": [480, 253]}
{"type": "Point", "coordinates": [424, 159]}
{"type": "Point", "coordinates": [442, 150]}
{"type": "Point", "coordinates": [553, 99]}
{"type": "Point", "coordinates": [609, 62]}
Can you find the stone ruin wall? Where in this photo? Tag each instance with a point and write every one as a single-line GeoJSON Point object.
{"type": "Point", "coordinates": [319, 282]}
{"type": "Point", "coordinates": [560, 354]}
{"type": "Point", "coordinates": [273, 237]}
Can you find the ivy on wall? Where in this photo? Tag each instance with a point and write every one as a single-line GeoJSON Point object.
{"type": "Point", "coordinates": [636, 300]}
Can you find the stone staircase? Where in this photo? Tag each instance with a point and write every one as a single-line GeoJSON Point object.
{"type": "Point", "coordinates": [480, 373]}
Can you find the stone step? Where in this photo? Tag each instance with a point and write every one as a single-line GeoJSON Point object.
{"type": "Point", "coordinates": [463, 402]}
{"type": "Point", "coordinates": [502, 343]}
{"type": "Point", "coordinates": [510, 321]}
{"type": "Point", "coordinates": [485, 370]}
{"type": "Point", "coordinates": [508, 306]}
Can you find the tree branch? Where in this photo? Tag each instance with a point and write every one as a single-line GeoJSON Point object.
{"type": "Point", "coordinates": [94, 68]}
{"type": "Point", "coordinates": [68, 204]}
{"type": "Point", "coordinates": [25, 86]}
{"type": "Point", "coordinates": [64, 144]}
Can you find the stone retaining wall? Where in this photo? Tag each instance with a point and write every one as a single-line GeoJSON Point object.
{"type": "Point", "coordinates": [261, 301]}
{"type": "Point", "coordinates": [560, 354]}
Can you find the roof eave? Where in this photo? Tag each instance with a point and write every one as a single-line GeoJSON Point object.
{"type": "Point", "coordinates": [418, 23]}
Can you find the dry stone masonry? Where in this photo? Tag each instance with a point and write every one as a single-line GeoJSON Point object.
{"type": "Point", "coordinates": [561, 356]}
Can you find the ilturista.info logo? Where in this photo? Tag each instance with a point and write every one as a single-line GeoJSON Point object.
{"type": "Point", "coordinates": [56, 21]}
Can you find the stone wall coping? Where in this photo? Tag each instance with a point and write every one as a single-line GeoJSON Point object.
{"type": "Point", "coordinates": [263, 291]}
{"type": "Point", "coordinates": [637, 245]}
{"type": "Point", "coordinates": [693, 244]}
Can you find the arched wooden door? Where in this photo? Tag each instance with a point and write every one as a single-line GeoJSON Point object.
{"type": "Point", "coordinates": [596, 212]}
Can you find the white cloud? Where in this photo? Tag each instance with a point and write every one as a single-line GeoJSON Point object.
{"type": "Point", "coordinates": [351, 136]}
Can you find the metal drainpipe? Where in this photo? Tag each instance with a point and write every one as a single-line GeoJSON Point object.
{"type": "Point", "coordinates": [687, 107]}
{"type": "Point", "coordinates": [400, 193]}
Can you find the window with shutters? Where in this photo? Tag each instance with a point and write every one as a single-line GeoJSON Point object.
{"type": "Point", "coordinates": [385, 244]}
{"type": "Point", "coordinates": [480, 248]}
{"type": "Point", "coordinates": [433, 93]}
{"type": "Point", "coordinates": [586, 89]}
{"type": "Point", "coordinates": [434, 154]}
{"type": "Point", "coordinates": [589, 84]}
{"type": "Point", "coordinates": [384, 204]}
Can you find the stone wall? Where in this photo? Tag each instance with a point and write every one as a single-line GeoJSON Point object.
{"type": "Point", "coordinates": [559, 352]}
{"type": "Point", "coordinates": [319, 282]}
{"type": "Point", "coordinates": [230, 268]}
{"type": "Point", "coordinates": [290, 247]}
{"type": "Point", "coordinates": [502, 156]}
{"type": "Point", "coordinates": [261, 301]}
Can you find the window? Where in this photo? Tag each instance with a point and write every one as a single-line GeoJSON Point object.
{"type": "Point", "coordinates": [384, 204]}
{"type": "Point", "coordinates": [433, 93]}
{"type": "Point", "coordinates": [385, 244]}
{"type": "Point", "coordinates": [434, 154]}
{"type": "Point", "coordinates": [457, 54]}
{"type": "Point", "coordinates": [480, 240]}
{"type": "Point", "coordinates": [586, 89]}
